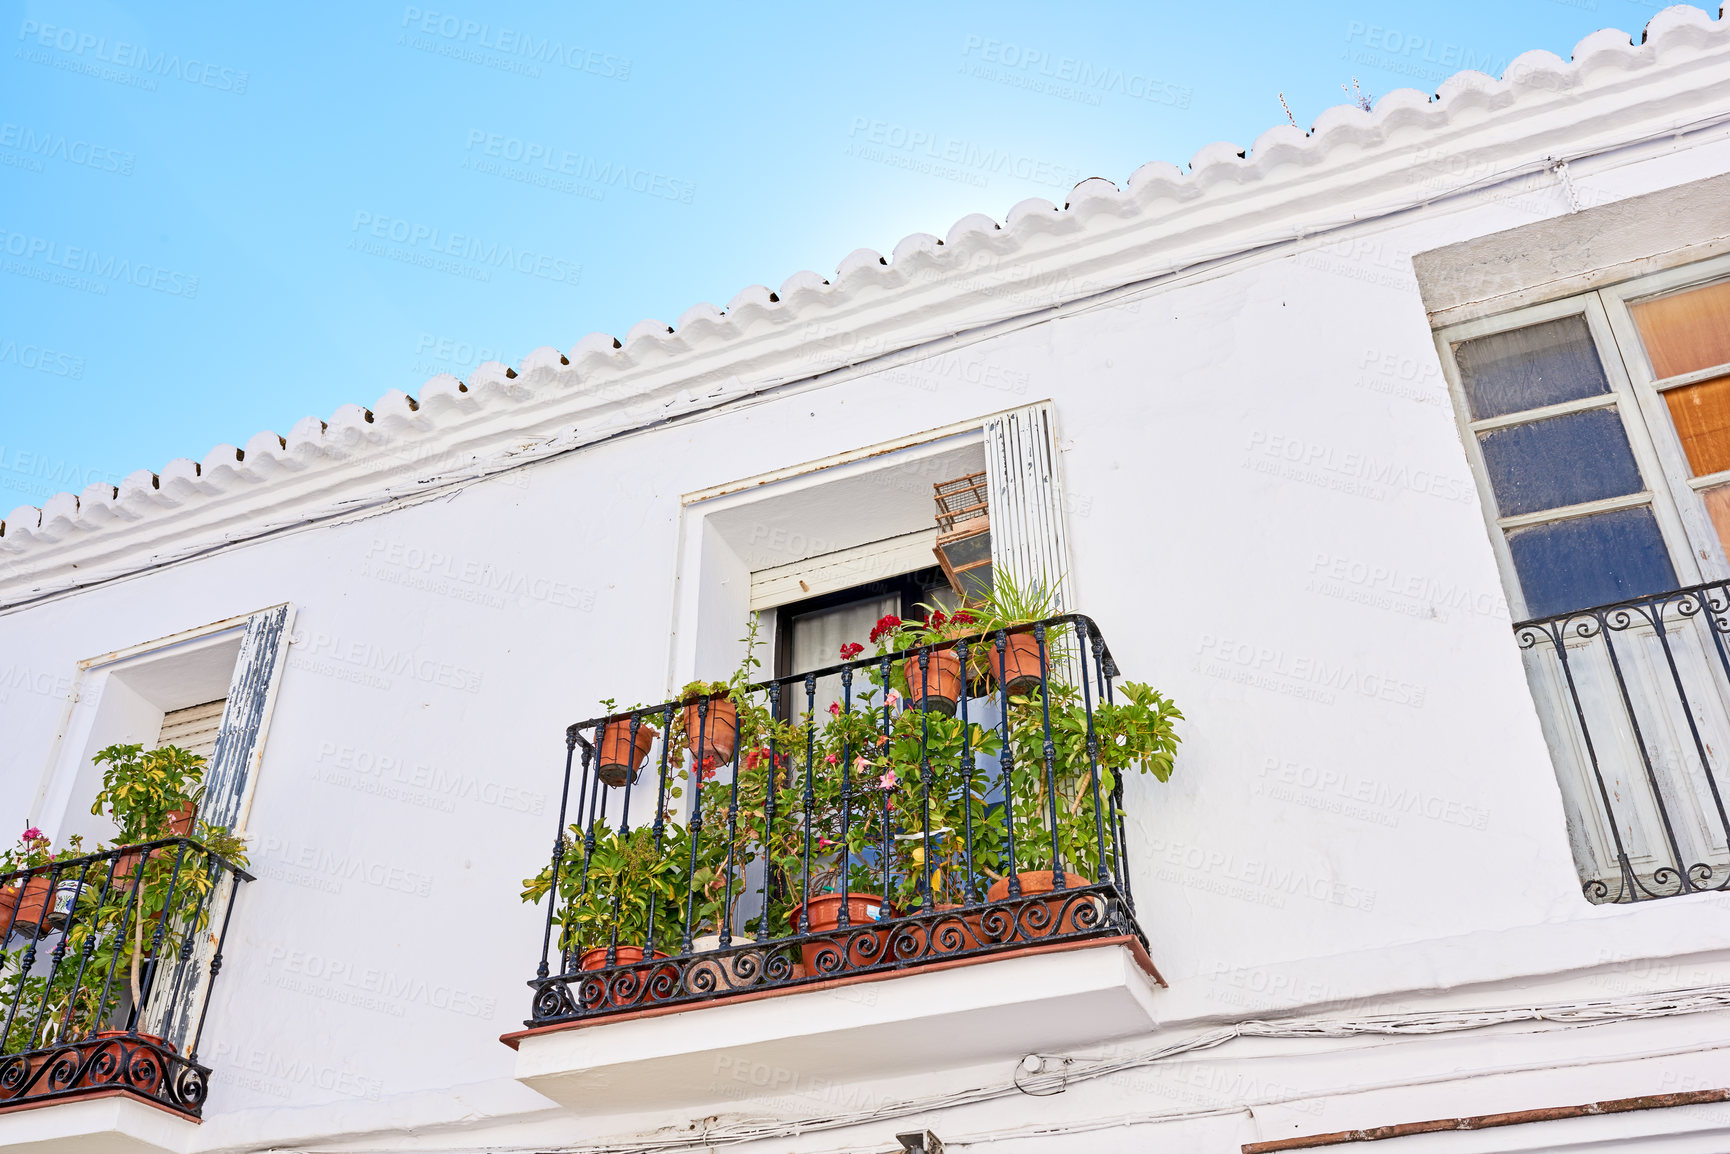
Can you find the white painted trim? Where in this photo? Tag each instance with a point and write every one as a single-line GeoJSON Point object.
{"type": "Point", "coordinates": [1569, 512]}
{"type": "Point", "coordinates": [1706, 552]}
{"type": "Point", "coordinates": [843, 569]}
{"type": "Point", "coordinates": [1680, 379]}
{"type": "Point", "coordinates": [792, 472]}
{"type": "Point", "coordinates": [1527, 416]}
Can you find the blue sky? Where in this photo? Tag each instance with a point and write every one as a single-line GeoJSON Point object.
{"type": "Point", "coordinates": [219, 219]}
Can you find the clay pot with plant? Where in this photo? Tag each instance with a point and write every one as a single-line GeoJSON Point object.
{"type": "Point", "coordinates": [1011, 604]}
{"type": "Point", "coordinates": [623, 749]}
{"type": "Point", "coordinates": [1060, 813]}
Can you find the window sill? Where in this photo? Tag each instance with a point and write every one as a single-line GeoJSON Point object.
{"type": "Point", "coordinates": [998, 1007]}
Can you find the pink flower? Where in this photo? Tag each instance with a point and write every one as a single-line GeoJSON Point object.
{"type": "Point", "coordinates": [892, 699]}
{"type": "Point", "coordinates": [888, 780]}
{"type": "Point", "coordinates": [834, 709]}
{"type": "Point", "coordinates": [832, 759]}
{"type": "Point", "coordinates": [860, 764]}
{"type": "Point", "coordinates": [824, 843]}
{"type": "Point", "coordinates": [32, 834]}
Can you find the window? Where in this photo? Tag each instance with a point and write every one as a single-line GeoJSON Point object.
{"type": "Point", "coordinates": [1598, 428]}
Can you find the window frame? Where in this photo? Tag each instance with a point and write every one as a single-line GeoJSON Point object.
{"type": "Point", "coordinates": [1618, 300]}
{"type": "Point", "coordinates": [1632, 403]}
{"type": "Point", "coordinates": [910, 586]}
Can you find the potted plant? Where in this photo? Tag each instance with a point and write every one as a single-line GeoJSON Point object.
{"type": "Point", "coordinates": [127, 912]}
{"type": "Point", "coordinates": [150, 796]}
{"type": "Point", "coordinates": [1012, 604]}
{"type": "Point", "coordinates": [625, 741]}
{"type": "Point", "coordinates": [26, 902]}
{"type": "Point", "coordinates": [1135, 732]}
{"type": "Point", "coordinates": [930, 679]}
{"type": "Point", "coordinates": [615, 899]}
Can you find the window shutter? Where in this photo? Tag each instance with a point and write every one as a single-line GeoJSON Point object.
{"type": "Point", "coordinates": [239, 742]}
{"type": "Point", "coordinates": [1028, 535]}
{"type": "Point", "coordinates": [193, 728]}
{"type": "Point", "coordinates": [235, 751]}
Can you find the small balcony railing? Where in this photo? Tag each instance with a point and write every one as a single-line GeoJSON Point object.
{"type": "Point", "coordinates": [831, 826]}
{"type": "Point", "coordinates": [1634, 698]}
{"type": "Point", "coordinates": [105, 973]}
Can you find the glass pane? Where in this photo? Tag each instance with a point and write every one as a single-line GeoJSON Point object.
{"type": "Point", "coordinates": [1717, 500]}
{"type": "Point", "coordinates": [1531, 367]}
{"type": "Point", "coordinates": [1560, 461]}
{"type": "Point", "coordinates": [817, 641]}
{"type": "Point", "coordinates": [1686, 331]}
{"type": "Point", "coordinates": [1583, 561]}
{"type": "Point", "coordinates": [818, 637]}
{"type": "Point", "coordinates": [1702, 416]}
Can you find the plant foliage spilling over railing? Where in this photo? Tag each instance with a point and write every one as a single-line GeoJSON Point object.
{"type": "Point", "coordinates": [957, 798]}
{"type": "Point", "coordinates": [106, 970]}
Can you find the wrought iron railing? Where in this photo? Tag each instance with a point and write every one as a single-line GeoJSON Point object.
{"type": "Point", "coordinates": [815, 827]}
{"type": "Point", "coordinates": [105, 972]}
{"type": "Point", "coordinates": [1635, 701]}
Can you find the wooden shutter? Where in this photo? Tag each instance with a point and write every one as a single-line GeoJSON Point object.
{"type": "Point", "coordinates": [1028, 535]}
{"type": "Point", "coordinates": [235, 752]}
{"type": "Point", "coordinates": [194, 728]}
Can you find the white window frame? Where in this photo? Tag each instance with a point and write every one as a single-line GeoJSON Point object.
{"type": "Point", "coordinates": [1687, 532]}
{"type": "Point", "coordinates": [1649, 389]}
{"type": "Point", "coordinates": [1695, 551]}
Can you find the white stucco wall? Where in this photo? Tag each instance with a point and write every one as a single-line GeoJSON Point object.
{"type": "Point", "coordinates": [1272, 519]}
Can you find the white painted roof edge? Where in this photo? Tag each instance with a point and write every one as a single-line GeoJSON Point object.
{"type": "Point", "coordinates": [1352, 166]}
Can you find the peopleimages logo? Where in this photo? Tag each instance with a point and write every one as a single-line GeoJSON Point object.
{"type": "Point", "coordinates": [562, 162]}
{"type": "Point", "coordinates": [90, 263]}
{"type": "Point", "coordinates": [1088, 79]}
{"type": "Point", "coordinates": [88, 46]}
{"type": "Point", "coordinates": [511, 42]}
{"type": "Point", "coordinates": [431, 239]}
{"type": "Point", "coordinates": [49, 146]}
{"type": "Point", "coordinates": [41, 359]}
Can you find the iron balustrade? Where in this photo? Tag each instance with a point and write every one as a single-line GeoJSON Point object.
{"type": "Point", "coordinates": [106, 966]}
{"type": "Point", "coordinates": [1635, 701]}
{"type": "Point", "coordinates": [916, 831]}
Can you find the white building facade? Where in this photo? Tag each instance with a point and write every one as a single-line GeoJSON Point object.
{"type": "Point", "coordinates": [1345, 443]}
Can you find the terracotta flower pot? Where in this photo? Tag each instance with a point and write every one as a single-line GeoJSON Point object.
{"type": "Point", "coordinates": [1020, 669]}
{"type": "Point", "coordinates": [824, 912]}
{"type": "Point", "coordinates": [24, 906]}
{"type": "Point", "coordinates": [619, 762]}
{"type": "Point", "coordinates": [633, 988]}
{"type": "Point", "coordinates": [117, 1058]}
{"type": "Point", "coordinates": [1061, 913]}
{"type": "Point", "coordinates": [180, 824]}
{"type": "Point", "coordinates": [938, 686]}
{"type": "Point", "coordinates": [720, 730]}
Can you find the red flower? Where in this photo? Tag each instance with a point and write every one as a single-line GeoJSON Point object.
{"type": "Point", "coordinates": [935, 619]}
{"type": "Point", "coordinates": [963, 617]}
{"type": "Point", "coordinates": [852, 649]}
{"type": "Point", "coordinates": [886, 625]}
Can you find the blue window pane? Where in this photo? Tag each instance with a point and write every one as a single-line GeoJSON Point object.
{"type": "Point", "coordinates": [1560, 461]}
{"type": "Point", "coordinates": [1584, 561]}
{"type": "Point", "coordinates": [1531, 367]}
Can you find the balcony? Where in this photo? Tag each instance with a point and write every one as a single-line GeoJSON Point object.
{"type": "Point", "coordinates": [948, 816]}
{"type": "Point", "coordinates": [105, 973]}
{"type": "Point", "coordinates": [1635, 702]}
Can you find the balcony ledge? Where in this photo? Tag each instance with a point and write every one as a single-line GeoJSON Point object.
{"type": "Point", "coordinates": [1000, 1007]}
{"type": "Point", "coordinates": [104, 1122]}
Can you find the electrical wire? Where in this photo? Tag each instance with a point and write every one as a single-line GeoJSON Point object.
{"type": "Point", "coordinates": [1041, 1075]}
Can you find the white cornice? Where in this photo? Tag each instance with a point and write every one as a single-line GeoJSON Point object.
{"type": "Point", "coordinates": [1289, 189]}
